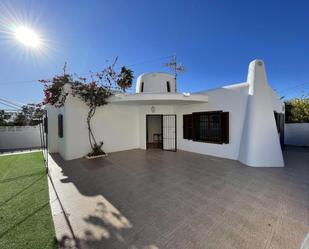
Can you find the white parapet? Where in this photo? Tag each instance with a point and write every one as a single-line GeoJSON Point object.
{"type": "Point", "coordinates": [156, 83]}
{"type": "Point", "coordinates": [260, 145]}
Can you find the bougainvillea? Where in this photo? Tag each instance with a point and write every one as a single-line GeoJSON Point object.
{"type": "Point", "coordinates": [94, 92]}
{"type": "Point", "coordinates": [53, 89]}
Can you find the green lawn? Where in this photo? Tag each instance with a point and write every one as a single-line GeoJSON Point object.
{"type": "Point", "coordinates": [25, 216]}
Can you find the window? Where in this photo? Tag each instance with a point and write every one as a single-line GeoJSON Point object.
{"type": "Point", "coordinates": [168, 86]}
{"type": "Point", "coordinates": [60, 125]}
{"type": "Point", "coordinates": [210, 127]}
{"type": "Point", "coordinates": [142, 87]}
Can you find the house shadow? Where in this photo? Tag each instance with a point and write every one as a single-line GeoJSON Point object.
{"type": "Point", "coordinates": [117, 217]}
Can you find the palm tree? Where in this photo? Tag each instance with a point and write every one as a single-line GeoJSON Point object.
{"type": "Point", "coordinates": [125, 78]}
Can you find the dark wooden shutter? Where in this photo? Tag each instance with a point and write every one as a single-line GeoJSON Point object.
{"type": "Point", "coordinates": [225, 127]}
{"type": "Point", "coordinates": [187, 126]}
{"type": "Point", "coordinates": [60, 125]}
{"type": "Point", "coordinates": [45, 123]}
{"type": "Point", "coordinates": [195, 126]}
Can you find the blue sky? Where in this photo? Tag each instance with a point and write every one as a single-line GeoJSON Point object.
{"type": "Point", "coordinates": [215, 40]}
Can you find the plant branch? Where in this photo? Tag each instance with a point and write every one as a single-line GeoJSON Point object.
{"type": "Point", "coordinates": [93, 92]}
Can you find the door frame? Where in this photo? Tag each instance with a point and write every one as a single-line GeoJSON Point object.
{"type": "Point", "coordinates": [161, 116]}
{"type": "Point", "coordinates": [147, 120]}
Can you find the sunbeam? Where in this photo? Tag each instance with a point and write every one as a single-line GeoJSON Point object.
{"type": "Point", "coordinates": [21, 33]}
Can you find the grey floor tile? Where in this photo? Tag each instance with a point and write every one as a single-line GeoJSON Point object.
{"type": "Point", "coordinates": [156, 199]}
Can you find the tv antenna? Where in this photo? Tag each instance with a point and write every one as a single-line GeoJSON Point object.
{"type": "Point", "coordinates": [175, 67]}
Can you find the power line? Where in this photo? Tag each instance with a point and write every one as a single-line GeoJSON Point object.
{"type": "Point", "coordinates": [136, 64]}
{"type": "Point", "coordinates": [294, 87]}
{"type": "Point", "coordinates": [11, 106]}
{"type": "Point", "coordinates": [130, 65]}
{"type": "Point", "coordinates": [14, 103]}
{"type": "Point", "coordinates": [151, 60]}
{"type": "Point", "coordinates": [8, 104]}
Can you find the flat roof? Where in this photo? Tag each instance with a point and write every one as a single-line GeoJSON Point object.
{"type": "Point", "coordinates": [158, 98]}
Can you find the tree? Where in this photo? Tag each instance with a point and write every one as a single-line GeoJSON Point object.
{"type": "Point", "coordinates": [20, 119]}
{"type": "Point", "coordinates": [124, 80]}
{"type": "Point", "coordinates": [30, 114]}
{"type": "Point", "coordinates": [4, 116]}
{"type": "Point", "coordinates": [94, 92]}
{"type": "Point", "coordinates": [297, 110]}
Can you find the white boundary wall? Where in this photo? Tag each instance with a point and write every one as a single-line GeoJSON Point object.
{"type": "Point", "coordinates": [297, 134]}
{"type": "Point", "coordinates": [19, 137]}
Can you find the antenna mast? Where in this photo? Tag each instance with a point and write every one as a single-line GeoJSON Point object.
{"type": "Point", "coordinates": [175, 68]}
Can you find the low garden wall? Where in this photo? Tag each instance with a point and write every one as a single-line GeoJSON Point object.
{"type": "Point", "coordinates": [19, 137]}
{"type": "Point", "coordinates": [297, 134]}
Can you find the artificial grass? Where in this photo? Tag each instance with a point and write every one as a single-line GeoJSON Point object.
{"type": "Point", "coordinates": [25, 216]}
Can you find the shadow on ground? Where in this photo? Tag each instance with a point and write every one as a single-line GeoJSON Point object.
{"type": "Point", "coordinates": [156, 199]}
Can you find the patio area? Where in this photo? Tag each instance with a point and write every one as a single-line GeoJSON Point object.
{"type": "Point", "coordinates": [156, 199]}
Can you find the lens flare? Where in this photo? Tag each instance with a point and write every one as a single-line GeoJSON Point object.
{"type": "Point", "coordinates": [27, 36]}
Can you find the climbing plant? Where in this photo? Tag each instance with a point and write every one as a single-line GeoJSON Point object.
{"type": "Point", "coordinates": [93, 91]}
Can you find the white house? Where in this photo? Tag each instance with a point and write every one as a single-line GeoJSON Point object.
{"type": "Point", "coordinates": [240, 121]}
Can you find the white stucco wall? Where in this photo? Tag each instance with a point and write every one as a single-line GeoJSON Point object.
{"type": "Point", "coordinates": [52, 123]}
{"type": "Point", "coordinates": [19, 137]}
{"type": "Point", "coordinates": [278, 104]}
{"type": "Point", "coordinates": [222, 99]}
{"type": "Point", "coordinates": [155, 83]}
{"type": "Point", "coordinates": [297, 134]}
{"type": "Point", "coordinates": [55, 143]}
{"type": "Point", "coordinates": [117, 126]}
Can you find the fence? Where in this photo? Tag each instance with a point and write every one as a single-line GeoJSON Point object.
{"type": "Point", "coordinates": [19, 137]}
{"type": "Point", "coordinates": [297, 134]}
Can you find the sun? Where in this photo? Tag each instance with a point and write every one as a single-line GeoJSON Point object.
{"type": "Point", "coordinates": [27, 36]}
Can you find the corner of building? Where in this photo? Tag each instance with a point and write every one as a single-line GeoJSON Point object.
{"type": "Point", "coordinates": [260, 145]}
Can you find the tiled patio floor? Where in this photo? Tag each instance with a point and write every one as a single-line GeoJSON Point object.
{"type": "Point", "coordinates": [155, 199]}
